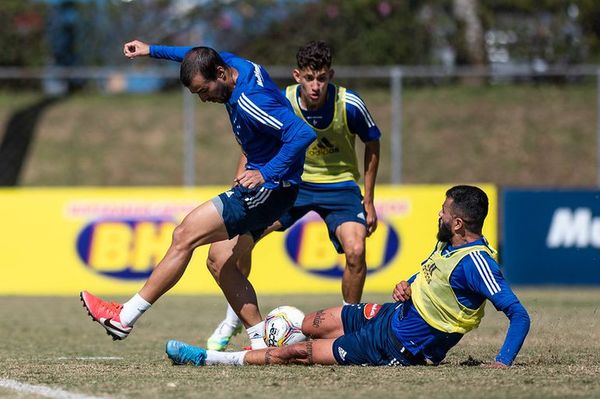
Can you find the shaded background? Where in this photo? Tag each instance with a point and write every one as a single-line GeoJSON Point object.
{"type": "Point", "coordinates": [498, 91]}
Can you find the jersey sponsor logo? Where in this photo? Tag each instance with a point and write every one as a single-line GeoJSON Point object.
{"type": "Point", "coordinates": [371, 310]}
{"type": "Point", "coordinates": [124, 249]}
{"type": "Point", "coordinates": [257, 74]}
{"type": "Point", "coordinates": [574, 228]}
{"type": "Point", "coordinates": [322, 147]}
{"type": "Point", "coordinates": [308, 245]}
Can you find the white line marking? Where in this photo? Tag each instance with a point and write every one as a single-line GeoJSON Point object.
{"type": "Point", "coordinates": [42, 390]}
{"type": "Point", "coordinates": [90, 358]}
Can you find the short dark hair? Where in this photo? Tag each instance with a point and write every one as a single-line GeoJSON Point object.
{"type": "Point", "coordinates": [200, 60]}
{"type": "Point", "coordinates": [315, 55]}
{"type": "Point", "coordinates": [470, 203]}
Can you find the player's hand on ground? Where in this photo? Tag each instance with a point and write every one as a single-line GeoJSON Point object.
{"type": "Point", "coordinates": [401, 292]}
{"type": "Point", "coordinates": [250, 179]}
{"type": "Point", "coordinates": [497, 365]}
{"type": "Point", "coordinates": [371, 218]}
{"type": "Point", "coordinates": [136, 48]}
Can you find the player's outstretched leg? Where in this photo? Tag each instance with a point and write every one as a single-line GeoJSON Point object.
{"type": "Point", "coordinates": [107, 314]}
{"type": "Point", "coordinates": [182, 353]}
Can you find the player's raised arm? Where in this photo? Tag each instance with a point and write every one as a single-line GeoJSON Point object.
{"type": "Point", "coordinates": [137, 48]}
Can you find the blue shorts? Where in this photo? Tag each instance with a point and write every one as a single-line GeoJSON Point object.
{"type": "Point", "coordinates": [335, 205]}
{"type": "Point", "coordinates": [251, 211]}
{"type": "Point", "coordinates": [368, 338]}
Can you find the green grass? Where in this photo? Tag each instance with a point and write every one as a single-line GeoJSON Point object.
{"type": "Point", "coordinates": [520, 135]}
{"type": "Point", "coordinates": [43, 337]}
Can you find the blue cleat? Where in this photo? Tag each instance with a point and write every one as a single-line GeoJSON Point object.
{"type": "Point", "coordinates": [182, 353]}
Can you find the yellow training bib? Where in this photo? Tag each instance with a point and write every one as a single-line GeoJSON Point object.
{"type": "Point", "coordinates": [331, 158]}
{"type": "Point", "coordinates": [433, 296]}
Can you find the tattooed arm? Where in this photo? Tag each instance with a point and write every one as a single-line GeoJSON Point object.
{"type": "Point", "coordinates": [326, 323]}
{"type": "Point", "coordinates": [318, 351]}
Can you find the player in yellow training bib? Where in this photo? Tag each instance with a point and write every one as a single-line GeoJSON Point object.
{"type": "Point", "coordinates": [432, 311]}
{"type": "Point", "coordinates": [329, 182]}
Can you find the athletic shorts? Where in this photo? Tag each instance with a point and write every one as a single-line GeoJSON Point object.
{"type": "Point", "coordinates": [334, 205]}
{"type": "Point", "coordinates": [251, 211]}
{"type": "Point", "coordinates": [368, 338]}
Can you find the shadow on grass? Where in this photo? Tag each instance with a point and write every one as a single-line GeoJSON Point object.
{"type": "Point", "coordinates": [18, 135]}
{"type": "Point", "coordinates": [471, 362]}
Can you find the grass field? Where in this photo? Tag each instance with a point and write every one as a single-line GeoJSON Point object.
{"type": "Point", "coordinates": [509, 135]}
{"type": "Point", "coordinates": [52, 342]}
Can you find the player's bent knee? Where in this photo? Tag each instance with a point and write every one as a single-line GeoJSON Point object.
{"type": "Point", "coordinates": [182, 238]}
{"type": "Point", "coordinates": [355, 255]}
{"type": "Point", "coordinates": [214, 263]}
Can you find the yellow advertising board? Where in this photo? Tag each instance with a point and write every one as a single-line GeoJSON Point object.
{"type": "Point", "coordinates": [107, 240]}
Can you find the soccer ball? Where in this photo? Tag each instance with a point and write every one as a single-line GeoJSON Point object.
{"type": "Point", "coordinates": [283, 326]}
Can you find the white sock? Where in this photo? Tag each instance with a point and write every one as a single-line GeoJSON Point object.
{"type": "Point", "coordinates": [216, 357]}
{"type": "Point", "coordinates": [345, 303]}
{"type": "Point", "coordinates": [133, 309]}
{"type": "Point", "coordinates": [231, 317]}
{"type": "Point", "coordinates": [256, 334]}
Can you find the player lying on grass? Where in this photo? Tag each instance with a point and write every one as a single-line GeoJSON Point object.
{"type": "Point", "coordinates": [432, 312]}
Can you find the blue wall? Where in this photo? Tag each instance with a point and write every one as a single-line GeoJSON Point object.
{"type": "Point", "coordinates": [551, 237]}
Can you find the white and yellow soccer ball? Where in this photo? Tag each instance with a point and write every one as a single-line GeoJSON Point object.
{"type": "Point", "coordinates": [283, 326]}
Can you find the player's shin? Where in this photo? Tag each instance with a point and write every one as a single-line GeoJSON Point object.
{"type": "Point", "coordinates": [231, 358]}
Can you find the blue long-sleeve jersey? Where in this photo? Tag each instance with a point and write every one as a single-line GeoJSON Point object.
{"type": "Point", "coordinates": [272, 137]}
{"type": "Point", "coordinates": [476, 278]}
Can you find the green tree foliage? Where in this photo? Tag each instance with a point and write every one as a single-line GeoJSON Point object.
{"type": "Point", "coordinates": [22, 33]}
{"type": "Point", "coordinates": [376, 32]}
{"type": "Point", "coordinates": [364, 32]}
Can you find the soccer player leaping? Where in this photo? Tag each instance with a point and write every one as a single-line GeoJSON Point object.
{"type": "Point", "coordinates": [432, 312]}
{"type": "Point", "coordinates": [274, 141]}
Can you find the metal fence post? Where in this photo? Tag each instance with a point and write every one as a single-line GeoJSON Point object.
{"type": "Point", "coordinates": [396, 128]}
{"type": "Point", "coordinates": [189, 167]}
{"type": "Point", "coordinates": [598, 127]}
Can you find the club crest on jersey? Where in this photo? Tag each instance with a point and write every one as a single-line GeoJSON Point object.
{"type": "Point", "coordinates": [371, 310]}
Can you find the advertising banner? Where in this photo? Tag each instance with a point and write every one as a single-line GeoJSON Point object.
{"type": "Point", "coordinates": [108, 240]}
{"type": "Point", "coordinates": [551, 237]}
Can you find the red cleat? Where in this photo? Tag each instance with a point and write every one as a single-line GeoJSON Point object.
{"type": "Point", "coordinates": [107, 314]}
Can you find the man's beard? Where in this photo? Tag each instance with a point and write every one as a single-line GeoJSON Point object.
{"type": "Point", "coordinates": [444, 233]}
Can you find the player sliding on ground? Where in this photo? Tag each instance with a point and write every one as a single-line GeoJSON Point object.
{"type": "Point", "coordinates": [432, 312]}
{"type": "Point", "coordinates": [274, 140]}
